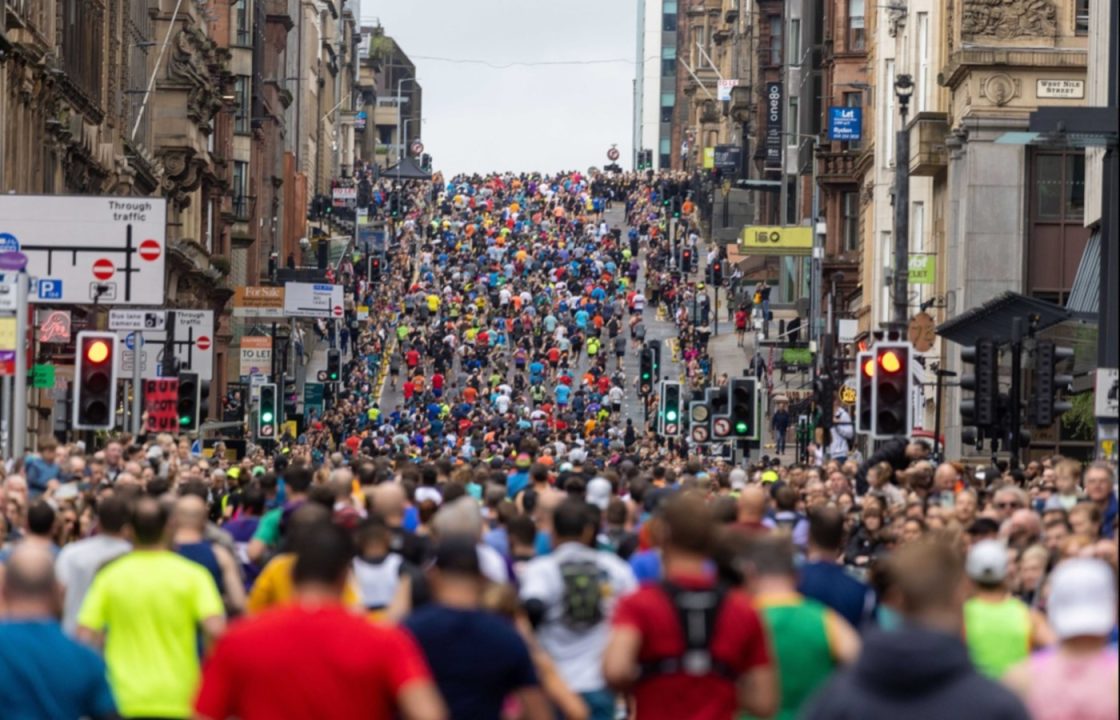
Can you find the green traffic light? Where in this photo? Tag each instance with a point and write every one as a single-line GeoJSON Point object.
{"type": "Point", "coordinates": [671, 415]}
{"type": "Point", "coordinates": [740, 427]}
{"type": "Point", "coordinates": [185, 421]}
{"type": "Point", "coordinates": [645, 376]}
{"type": "Point", "coordinates": [266, 416]}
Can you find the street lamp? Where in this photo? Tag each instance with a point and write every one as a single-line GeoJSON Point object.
{"type": "Point", "coordinates": [903, 89]}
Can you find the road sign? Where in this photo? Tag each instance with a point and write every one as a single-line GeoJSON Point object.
{"type": "Point", "coordinates": [612, 154]}
{"type": "Point", "coordinates": [312, 300]}
{"type": "Point", "coordinates": [103, 268]}
{"type": "Point", "coordinates": [131, 339]}
{"type": "Point", "coordinates": [417, 147]}
{"type": "Point", "coordinates": [74, 243]}
{"type": "Point", "coordinates": [258, 301]}
{"type": "Point", "coordinates": [721, 426]}
{"type": "Point", "coordinates": [8, 243]}
{"type": "Point", "coordinates": [700, 434]}
{"type": "Point", "coordinates": [671, 429]}
{"type": "Point", "coordinates": [137, 319]}
{"type": "Point", "coordinates": [194, 329]}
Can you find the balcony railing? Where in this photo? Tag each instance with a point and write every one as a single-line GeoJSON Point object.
{"type": "Point", "coordinates": [837, 167]}
{"type": "Point", "coordinates": [241, 207]}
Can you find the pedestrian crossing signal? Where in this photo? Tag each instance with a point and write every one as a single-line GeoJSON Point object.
{"type": "Point", "coordinates": [334, 365]}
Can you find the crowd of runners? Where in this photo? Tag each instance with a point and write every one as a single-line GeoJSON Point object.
{"type": "Point", "coordinates": [477, 528]}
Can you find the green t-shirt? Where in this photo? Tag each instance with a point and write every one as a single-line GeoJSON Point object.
{"type": "Point", "coordinates": [149, 605]}
{"type": "Point", "coordinates": [268, 529]}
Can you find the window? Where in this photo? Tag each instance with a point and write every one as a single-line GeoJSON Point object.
{"type": "Point", "coordinates": [853, 99]}
{"type": "Point", "coordinates": [82, 57]}
{"type": "Point", "coordinates": [241, 120]}
{"type": "Point", "coordinates": [886, 260]}
{"type": "Point", "coordinates": [775, 24]}
{"type": "Point", "coordinates": [921, 92]}
{"type": "Point", "coordinates": [664, 162]}
{"type": "Point", "coordinates": [696, 52]}
{"type": "Point", "coordinates": [669, 22]}
{"type": "Point", "coordinates": [665, 146]}
{"type": "Point", "coordinates": [850, 210]}
{"type": "Point", "coordinates": [241, 23]}
{"type": "Point", "coordinates": [668, 61]}
{"type": "Point", "coordinates": [795, 41]}
{"type": "Point", "coordinates": [888, 114]}
{"type": "Point", "coordinates": [1081, 18]}
{"type": "Point", "coordinates": [237, 189]}
{"type": "Point", "coordinates": [856, 38]}
{"type": "Point", "coordinates": [1059, 182]}
{"type": "Point", "coordinates": [668, 100]}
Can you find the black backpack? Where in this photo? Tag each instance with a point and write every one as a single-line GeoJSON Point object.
{"type": "Point", "coordinates": [583, 594]}
{"type": "Point", "coordinates": [697, 611]}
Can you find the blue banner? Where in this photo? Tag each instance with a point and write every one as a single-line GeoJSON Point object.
{"type": "Point", "coordinates": [845, 123]}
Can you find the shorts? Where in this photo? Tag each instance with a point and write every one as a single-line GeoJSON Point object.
{"type": "Point", "coordinates": [394, 371]}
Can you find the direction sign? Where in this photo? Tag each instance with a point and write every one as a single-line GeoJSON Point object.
{"type": "Point", "coordinates": [671, 429]}
{"type": "Point", "coordinates": [612, 154]}
{"type": "Point", "coordinates": [1107, 394]}
{"type": "Point", "coordinates": [194, 329]}
{"type": "Point", "coordinates": [417, 147]}
{"type": "Point", "coordinates": [721, 426]}
{"type": "Point", "coordinates": [700, 434]}
{"type": "Point", "coordinates": [137, 319]}
{"type": "Point", "coordinates": [312, 300]}
{"type": "Point", "coordinates": [75, 243]}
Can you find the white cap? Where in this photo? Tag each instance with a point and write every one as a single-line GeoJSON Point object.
{"type": "Point", "coordinates": [987, 562]}
{"type": "Point", "coordinates": [599, 492]}
{"type": "Point", "coordinates": [1082, 598]}
{"type": "Point", "coordinates": [738, 478]}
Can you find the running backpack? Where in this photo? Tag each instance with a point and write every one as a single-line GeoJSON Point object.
{"type": "Point", "coordinates": [583, 594]}
{"type": "Point", "coordinates": [696, 611]}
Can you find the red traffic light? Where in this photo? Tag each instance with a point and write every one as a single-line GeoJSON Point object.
{"type": "Point", "coordinates": [97, 351]}
{"type": "Point", "coordinates": [890, 361]}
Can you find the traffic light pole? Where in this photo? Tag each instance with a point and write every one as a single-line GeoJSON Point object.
{"type": "Point", "coordinates": [18, 427]}
{"type": "Point", "coordinates": [137, 344]}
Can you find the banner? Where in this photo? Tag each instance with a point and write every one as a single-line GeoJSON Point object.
{"type": "Point", "coordinates": [256, 355]}
{"type": "Point", "coordinates": [709, 158]}
{"type": "Point", "coordinates": [260, 302]}
{"type": "Point", "coordinates": [773, 124]}
{"type": "Point", "coordinates": [791, 240]}
{"type": "Point", "coordinates": [161, 402]}
{"type": "Point", "coordinates": [923, 269]}
{"type": "Point", "coordinates": [845, 123]}
{"type": "Point", "coordinates": [723, 88]}
{"type": "Point", "coordinates": [728, 158]}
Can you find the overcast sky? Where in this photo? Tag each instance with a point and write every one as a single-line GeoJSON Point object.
{"type": "Point", "coordinates": [545, 118]}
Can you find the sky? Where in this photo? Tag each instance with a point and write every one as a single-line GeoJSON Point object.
{"type": "Point", "coordinates": [478, 118]}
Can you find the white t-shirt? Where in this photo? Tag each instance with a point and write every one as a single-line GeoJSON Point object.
{"type": "Point", "coordinates": [75, 568]}
{"type": "Point", "coordinates": [578, 654]}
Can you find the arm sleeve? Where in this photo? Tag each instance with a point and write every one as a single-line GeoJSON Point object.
{"type": "Point", "coordinates": [628, 613]}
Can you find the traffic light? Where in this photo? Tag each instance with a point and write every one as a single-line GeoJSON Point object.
{"type": "Point", "coordinates": [865, 412]}
{"type": "Point", "coordinates": [981, 410]}
{"type": "Point", "coordinates": [645, 371]}
{"type": "Point", "coordinates": [719, 411]}
{"type": "Point", "coordinates": [95, 381]}
{"type": "Point", "coordinates": [334, 365]}
{"type": "Point", "coordinates": [676, 207]}
{"type": "Point", "coordinates": [395, 204]}
{"type": "Point", "coordinates": [1047, 382]}
{"type": "Point", "coordinates": [655, 351]}
{"type": "Point", "coordinates": [203, 400]}
{"type": "Point", "coordinates": [891, 394]}
{"type": "Point", "coordinates": [743, 405]}
{"type": "Point", "coordinates": [699, 418]}
{"type": "Point", "coordinates": [374, 267]}
{"type": "Point", "coordinates": [686, 259]}
{"type": "Point", "coordinates": [670, 409]}
{"type": "Point", "coordinates": [190, 394]}
{"type": "Point", "coordinates": [426, 162]}
{"type": "Point", "coordinates": [715, 273]}
{"type": "Point", "coordinates": [266, 414]}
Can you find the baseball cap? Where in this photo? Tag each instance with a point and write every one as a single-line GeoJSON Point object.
{"type": "Point", "coordinates": [459, 556]}
{"type": "Point", "coordinates": [738, 478]}
{"type": "Point", "coordinates": [987, 562]}
{"type": "Point", "coordinates": [1082, 598]}
{"type": "Point", "coordinates": [769, 476]}
{"type": "Point", "coordinates": [599, 492]}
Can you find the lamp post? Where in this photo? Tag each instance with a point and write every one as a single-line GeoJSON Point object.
{"type": "Point", "coordinates": [903, 89]}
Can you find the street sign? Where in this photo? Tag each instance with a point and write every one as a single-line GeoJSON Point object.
{"type": "Point", "coordinates": [256, 355]}
{"type": "Point", "coordinates": [612, 154]}
{"type": "Point", "coordinates": [417, 147]}
{"type": "Point", "coordinates": [54, 326]}
{"type": "Point", "coordinates": [1107, 394]}
{"type": "Point", "coordinates": [313, 300]}
{"type": "Point", "coordinates": [76, 243]}
{"type": "Point", "coordinates": [258, 301]}
{"type": "Point", "coordinates": [721, 426]}
{"type": "Point", "coordinates": [137, 319]}
{"type": "Point", "coordinates": [194, 346]}
{"type": "Point", "coordinates": [700, 434]}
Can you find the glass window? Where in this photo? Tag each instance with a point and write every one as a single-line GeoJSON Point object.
{"type": "Point", "coordinates": [669, 22]}
{"type": "Point", "coordinates": [856, 38]}
{"type": "Point", "coordinates": [1081, 18]}
{"type": "Point", "coordinates": [921, 92]}
{"type": "Point", "coordinates": [1060, 187]}
{"type": "Point", "coordinates": [668, 61]}
{"type": "Point", "coordinates": [665, 145]}
{"type": "Point", "coordinates": [241, 112]}
{"type": "Point", "coordinates": [669, 6]}
{"type": "Point", "coordinates": [241, 22]}
{"type": "Point", "coordinates": [775, 25]}
{"type": "Point", "coordinates": [1075, 187]}
{"type": "Point", "coordinates": [237, 189]}
{"type": "Point", "coordinates": [666, 113]}
{"type": "Point", "coordinates": [853, 99]}
{"type": "Point", "coordinates": [888, 114]}
{"type": "Point", "coordinates": [850, 209]}
{"type": "Point", "coordinates": [795, 41]}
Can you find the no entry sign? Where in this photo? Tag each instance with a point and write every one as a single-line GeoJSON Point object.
{"type": "Point", "coordinates": [149, 250]}
{"type": "Point", "coordinates": [103, 268]}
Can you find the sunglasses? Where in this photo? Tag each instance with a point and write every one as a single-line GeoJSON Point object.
{"type": "Point", "coordinates": [1008, 505]}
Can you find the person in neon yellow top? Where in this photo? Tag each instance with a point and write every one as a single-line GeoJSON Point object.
{"type": "Point", "coordinates": [146, 608]}
{"type": "Point", "coordinates": [1000, 630]}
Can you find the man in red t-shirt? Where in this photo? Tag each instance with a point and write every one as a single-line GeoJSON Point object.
{"type": "Point", "coordinates": [412, 359]}
{"type": "Point", "coordinates": [647, 632]}
{"type": "Point", "coordinates": [314, 658]}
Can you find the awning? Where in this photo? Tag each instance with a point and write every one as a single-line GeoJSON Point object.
{"type": "Point", "coordinates": [993, 319]}
{"type": "Point", "coordinates": [406, 169]}
{"type": "Point", "coordinates": [1085, 294]}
